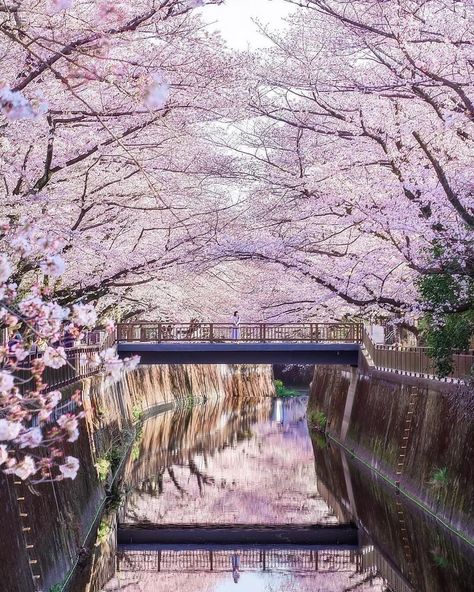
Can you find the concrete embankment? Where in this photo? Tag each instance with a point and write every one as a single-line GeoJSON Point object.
{"type": "Point", "coordinates": [418, 433]}
{"type": "Point", "coordinates": [44, 528]}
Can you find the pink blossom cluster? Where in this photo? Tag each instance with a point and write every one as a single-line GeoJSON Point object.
{"type": "Point", "coordinates": [31, 437]}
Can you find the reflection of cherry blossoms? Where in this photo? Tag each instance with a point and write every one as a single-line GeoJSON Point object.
{"type": "Point", "coordinates": [31, 437]}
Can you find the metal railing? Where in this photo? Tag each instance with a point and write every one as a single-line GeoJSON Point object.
{"type": "Point", "coordinates": [412, 361]}
{"type": "Point", "coordinates": [374, 562]}
{"type": "Point", "coordinates": [295, 560]}
{"type": "Point", "coordinates": [159, 332]}
{"type": "Point", "coordinates": [78, 366]}
{"type": "Point", "coordinates": [79, 363]}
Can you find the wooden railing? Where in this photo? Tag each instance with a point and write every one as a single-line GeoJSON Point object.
{"type": "Point", "coordinates": [158, 332]}
{"type": "Point", "coordinates": [413, 361]}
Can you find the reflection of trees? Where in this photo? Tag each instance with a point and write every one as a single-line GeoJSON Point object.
{"type": "Point", "coordinates": [176, 438]}
{"type": "Point", "coordinates": [273, 582]}
{"type": "Point", "coordinates": [225, 462]}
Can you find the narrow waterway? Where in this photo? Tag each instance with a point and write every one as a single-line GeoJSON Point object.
{"type": "Point", "coordinates": [227, 493]}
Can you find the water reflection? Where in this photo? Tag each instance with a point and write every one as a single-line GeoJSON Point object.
{"type": "Point", "coordinates": [221, 464]}
{"type": "Point", "coordinates": [399, 540]}
{"type": "Point", "coordinates": [230, 463]}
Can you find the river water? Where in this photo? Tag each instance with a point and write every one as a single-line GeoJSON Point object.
{"type": "Point", "coordinates": [204, 481]}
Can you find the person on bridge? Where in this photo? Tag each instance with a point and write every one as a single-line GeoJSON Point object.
{"type": "Point", "coordinates": [235, 568]}
{"type": "Point", "coordinates": [236, 326]}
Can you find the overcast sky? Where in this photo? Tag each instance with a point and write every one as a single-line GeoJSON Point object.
{"type": "Point", "coordinates": [234, 20]}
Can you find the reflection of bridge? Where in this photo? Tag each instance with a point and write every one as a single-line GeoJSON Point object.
{"type": "Point", "coordinates": [238, 534]}
{"type": "Point", "coordinates": [251, 559]}
{"type": "Point", "coordinates": [255, 343]}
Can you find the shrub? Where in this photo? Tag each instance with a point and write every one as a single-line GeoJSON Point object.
{"type": "Point", "coordinates": [439, 478]}
{"type": "Point", "coordinates": [102, 532]}
{"type": "Point", "coordinates": [282, 391]}
{"type": "Point", "coordinates": [318, 418]}
{"type": "Point", "coordinates": [102, 467]}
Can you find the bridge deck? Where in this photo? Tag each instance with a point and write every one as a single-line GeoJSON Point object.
{"type": "Point", "coordinates": [242, 353]}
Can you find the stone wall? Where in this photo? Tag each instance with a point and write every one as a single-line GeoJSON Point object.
{"type": "Point", "coordinates": [424, 553]}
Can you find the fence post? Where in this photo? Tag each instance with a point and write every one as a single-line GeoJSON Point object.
{"type": "Point", "coordinates": [211, 332]}
{"type": "Point", "coordinates": [262, 332]}
{"type": "Point", "coordinates": [159, 333]}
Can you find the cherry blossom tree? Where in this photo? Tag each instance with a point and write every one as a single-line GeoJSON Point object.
{"type": "Point", "coordinates": [103, 107]}
{"type": "Point", "coordinates": [358, 146]}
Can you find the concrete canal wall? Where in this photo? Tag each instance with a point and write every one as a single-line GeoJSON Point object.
{"type": "Point", "coordinates": [410, 546]}
{"type": "Point", "coordinates": [416, 432]}
{"type": "Point", "coordinates": [45, 526]}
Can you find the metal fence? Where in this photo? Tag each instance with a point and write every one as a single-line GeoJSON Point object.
{"type": "Point", "coordinates": [413, 361]}
{"type": "Point", "coordinates": [247, 332]}
{"type": "Point", "coordinates": [79, 365]}
{"type": "Point", "coordinates": [372, 561]}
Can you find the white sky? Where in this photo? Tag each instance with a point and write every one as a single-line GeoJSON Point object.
{"type": "Point", "coordinates": [234, 20]}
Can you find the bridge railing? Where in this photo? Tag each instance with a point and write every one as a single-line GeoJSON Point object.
{"type": "Point", "coordinates": [159, 332]}
{"type": "Point", "coordinates": [413, 361]}
{"type": "Point", "coordinates": [329, 560]}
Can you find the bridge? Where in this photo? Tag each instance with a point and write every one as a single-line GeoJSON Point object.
{"type": "Point", "coordinates": [276, 343]}
{"type": "Point", "coordinates": [250, 343]}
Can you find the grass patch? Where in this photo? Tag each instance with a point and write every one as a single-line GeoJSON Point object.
{"type": "Point", "coordinates": [440, 560]}
{"type": "Point", "coordinates": [319, 439]}
{"type": "Point", "coordinates": [439, 478]}
{"type": "Point", "coordinates": [137, 414]}
{"type": "Point", "coordinates": [102, 466]}
{"type": "Point", "coordinates": [138, 419]}
{"type": "Point", "coordinates": [102, 532]}
{"type": "Point", "coordinates": [318, 418]}
{"type": "Point", "coordinates": [109, 463]}
{"type": "Point", "coordinates": [283, 392]}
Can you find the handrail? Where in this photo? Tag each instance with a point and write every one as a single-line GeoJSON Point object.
{"type": "Point", "coordinates": [158, 332]}
{"type": "Point", "coordinates": [412, 361]}
{"type": "Point", "coordinates": [80, 363]}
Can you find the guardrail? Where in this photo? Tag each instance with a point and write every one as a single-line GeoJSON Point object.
{"type": "Point", "coordinates": [158, 332]}
{"type": "Point", "coordinates": [413, 361]}
{"type": "Point", "coordinates": [78, 366]}
{"type": "Point", "coordinates": [79, 363]}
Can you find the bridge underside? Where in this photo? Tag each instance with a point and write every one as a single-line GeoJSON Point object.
{"type": "Point", "coordinates": [323, 535]}
{"type": "Point", "coordinates": [242, 353]}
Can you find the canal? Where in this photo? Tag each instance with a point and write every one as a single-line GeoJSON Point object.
{"type": "Point", "coordinates": [227, 493]}
{"type": "Point", "coordinates": [218, 484]}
